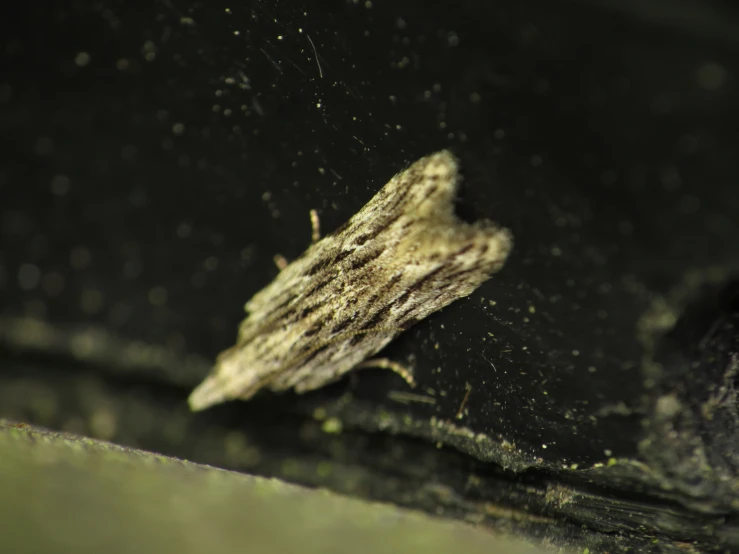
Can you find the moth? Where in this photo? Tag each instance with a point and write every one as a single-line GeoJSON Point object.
{"type": "Point", "coordinates": [403, 256]}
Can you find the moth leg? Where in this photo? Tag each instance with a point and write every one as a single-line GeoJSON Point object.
{"type": "Point", "coordinates": [315, 235]}
{"type": "Point", "coordinates": [315, 226]}
{"type": "Point", "coordinates": [384, 363]}
{"type": "Point", "coordinates": [280, 261]}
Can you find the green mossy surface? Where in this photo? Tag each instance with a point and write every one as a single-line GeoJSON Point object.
{"type": "Point", "coordinates": [62, 493]}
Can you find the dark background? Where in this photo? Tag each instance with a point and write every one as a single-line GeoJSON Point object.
{"type": "Point", "coordinates": [157, 155]}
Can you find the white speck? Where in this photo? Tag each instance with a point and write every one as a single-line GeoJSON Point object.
{"type": "Point", "coordinates": [82, 59]}
{"type": "Point", "coordinates": [149, 50]}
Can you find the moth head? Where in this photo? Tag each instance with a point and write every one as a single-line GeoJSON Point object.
{"type": "Point", "coordinates": [229, 379]}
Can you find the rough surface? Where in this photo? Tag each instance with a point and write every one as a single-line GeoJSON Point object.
{"type": "Point", "coordinates": [66, 494]}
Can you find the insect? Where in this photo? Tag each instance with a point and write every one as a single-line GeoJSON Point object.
{"type": "Point", "coordinates": [403, 256]}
